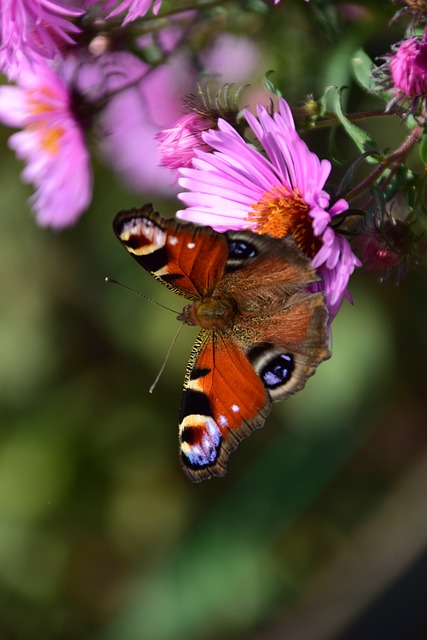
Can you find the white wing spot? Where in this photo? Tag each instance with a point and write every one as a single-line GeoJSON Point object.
{"type": "Point", "coordinates": [223, 421]}
{"type": "Point", "coordinates": [235, 408]}
{"type": "Point", "coordinates": [173, 240]}
{"type": "Point", "coordinates": [191, 245]}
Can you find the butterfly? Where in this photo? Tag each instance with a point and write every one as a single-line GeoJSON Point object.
{"type": "Point", "coordinates": [263, 329]}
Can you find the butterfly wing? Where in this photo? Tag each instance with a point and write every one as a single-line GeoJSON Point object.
{"type": "Point", "coordinates": [188, 259]}
{"type": "Point", "coordinates": [223, 401]}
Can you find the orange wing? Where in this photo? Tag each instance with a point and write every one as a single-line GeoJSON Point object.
{"type": "Point", "coordinates": [223, 401]}
{"type": "Point", "coordinates": [188, 259]}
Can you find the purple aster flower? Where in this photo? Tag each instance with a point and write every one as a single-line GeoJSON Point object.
{"type": "Point", "coordinates": [51, 143]}
{"type": "Point", "coordinates": [408, 66]}
{"type": "Point", "coordinates": [34, 29]}
{"type": "Point", "coordinates": [281, 193]}
{"type": "Point", "coordinates": [404, 73]}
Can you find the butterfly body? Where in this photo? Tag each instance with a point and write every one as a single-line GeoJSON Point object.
{"type": "Point", "coordinates": [263, 331]}
{"type": "Point", "coordinates": [212, 313]}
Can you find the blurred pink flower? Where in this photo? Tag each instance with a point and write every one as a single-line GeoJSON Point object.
{"type": "Point", "coordinates": [34, 29]}
{"type": "Point", "coordinates": [408, 66]}
{"type": "Point", "coordinates": [235, 187]}
{"type": "Point", "coordinates": [231, 58]}
{"type": "Point", "coordinates": [51, 143]}
{"type": "Point", "coordinates": [149, 102]}
{"type": "Point", "coordinates": [135, 8]}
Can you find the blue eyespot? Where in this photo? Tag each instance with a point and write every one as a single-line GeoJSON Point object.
{"type": "Point", "coordinates": [278, 371]}
{"type": "Point", "coordinates": [241, 250]}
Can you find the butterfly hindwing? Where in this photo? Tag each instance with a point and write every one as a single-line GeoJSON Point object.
{"type": "Point", "coordinates": [186, 258]}
{"type": "Point", "coordinates": [223, 401]}
{"type": "Point", "coordinates": [233, 379]}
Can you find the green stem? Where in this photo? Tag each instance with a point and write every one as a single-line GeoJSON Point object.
{"type": "Point", "coordinates": [330, 120]}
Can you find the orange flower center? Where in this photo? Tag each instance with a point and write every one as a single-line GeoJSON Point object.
{"type": "Point", "coordinates": [280, 213]}
{"type": "Point", "coordinates": [49, 133]}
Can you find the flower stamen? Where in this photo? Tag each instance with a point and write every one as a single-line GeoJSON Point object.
{"type": "Point", "coordinates": [281, 212]}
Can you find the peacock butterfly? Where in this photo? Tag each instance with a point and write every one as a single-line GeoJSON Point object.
{"type": "Point", "coordinates": [263, 331]}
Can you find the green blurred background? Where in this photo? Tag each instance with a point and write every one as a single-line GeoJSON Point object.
{"type": "Point", "coordinates": [318, 531]}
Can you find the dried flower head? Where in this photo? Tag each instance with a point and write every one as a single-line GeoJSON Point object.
{"type": "Point", "coordinates": [416, 8]}
{"type": "Point", "coordinates": [388, 245]}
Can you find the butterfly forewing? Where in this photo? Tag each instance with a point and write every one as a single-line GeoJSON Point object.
{"type": "Point", "coordinates": [186, 258]}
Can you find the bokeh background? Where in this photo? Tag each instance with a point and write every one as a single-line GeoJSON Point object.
{"type": "Point", "coordinates": [319, 530]}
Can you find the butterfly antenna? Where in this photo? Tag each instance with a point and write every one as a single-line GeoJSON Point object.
{"type": "Point", "coordinates": [174, 339]}
{"type": "Point", "coordinates": [138, 293]}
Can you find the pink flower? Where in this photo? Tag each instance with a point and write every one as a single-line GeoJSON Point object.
{"type": "Point", "coordinates": [408, 66]}
{"type": "Point", "coordinates": [134, 116]}
{"type": "Point", "coordinates": [178, 143]}
{"type": "Point", "coordinates": [34, 29]}
{"type": "Point", "coordinates": [231, 58]}
{"type": "Point", "coordinates": [51, 143]}
{"type": "Point", "coordinates": [135, 8]}
{"type": "Point", "coordinates": [280, 193]}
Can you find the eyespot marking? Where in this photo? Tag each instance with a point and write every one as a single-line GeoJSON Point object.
{"type": "Point", "coordinates": [200, 443]}
{"type": "Point", "coordinates": [278, 371]}
{"type": "Point", "coordinates": [142, 236]}
{"type": "Point", "coordinates": [241, 250]}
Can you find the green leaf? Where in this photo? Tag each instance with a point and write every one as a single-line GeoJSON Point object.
{"type": "Point", "coordinates": [361, 138]}
{"type": "Point", "coordinates": [270, 86]}
{"type": "Point", "coordinates": [324, 99]}
{"type": "Point", "coordinates": [362, 69]}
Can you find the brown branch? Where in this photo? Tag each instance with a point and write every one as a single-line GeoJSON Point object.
{"type": "Point", "coordinates": [394, 158]}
